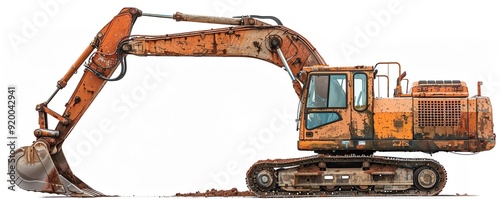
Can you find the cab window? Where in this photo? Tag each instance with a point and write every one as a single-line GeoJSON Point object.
{"type": "Point", "coordinates": [327, 91]}
{"type": "Point", "coordinates": [360, 92]}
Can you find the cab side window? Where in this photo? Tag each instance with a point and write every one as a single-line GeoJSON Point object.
{"type": "Point", "coordinates": [360, 92]}
{"type": "Point", "coordinates": [327, 91]}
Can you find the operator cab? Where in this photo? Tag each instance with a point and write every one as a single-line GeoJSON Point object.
{"type": "Point", "coordinates": [340, 114]}
{"type": "Point", "coordinates": [336, 106]}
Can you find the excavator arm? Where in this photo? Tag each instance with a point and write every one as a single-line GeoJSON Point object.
{"type": "Point", "coordinates": [42, 167]}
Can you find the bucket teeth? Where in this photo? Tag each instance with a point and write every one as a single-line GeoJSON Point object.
{"type": "Point", "coordinates": [37, 171]}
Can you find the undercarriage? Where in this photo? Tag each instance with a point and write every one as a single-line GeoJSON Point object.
{"type": "Point", "coordinates": [328, 175]}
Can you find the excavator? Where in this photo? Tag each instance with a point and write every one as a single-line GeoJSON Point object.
{"type": "Point", "coordinates": [340, 117]}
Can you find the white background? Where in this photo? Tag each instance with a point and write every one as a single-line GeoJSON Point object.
{"type": "Point", "coordinates": [207, 120]}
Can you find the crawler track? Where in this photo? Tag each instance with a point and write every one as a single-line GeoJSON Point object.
{"type": "Point", "coordinates": [428, 177]}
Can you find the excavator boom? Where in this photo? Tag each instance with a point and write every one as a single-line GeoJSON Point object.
{"type": "Point", "coordinates": [43, 166]}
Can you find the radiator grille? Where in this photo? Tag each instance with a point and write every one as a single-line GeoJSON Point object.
{"type": "Point", "coordinates": [438, 113]}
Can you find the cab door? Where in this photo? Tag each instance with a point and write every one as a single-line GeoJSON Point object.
{"type": "Point", "coordinates": [361, 112]}
{"type": "Point", "coordinates": [327, 115]}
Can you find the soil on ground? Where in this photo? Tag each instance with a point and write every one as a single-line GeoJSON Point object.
{"type": "Point", "coordinates": [216, 193]}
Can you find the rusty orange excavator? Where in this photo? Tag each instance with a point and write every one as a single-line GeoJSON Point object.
{"type": "Point", "coordinates": [340, 118]}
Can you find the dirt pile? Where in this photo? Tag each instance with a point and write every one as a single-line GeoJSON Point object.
{"type": "Point", "coordinates": [216, 193]}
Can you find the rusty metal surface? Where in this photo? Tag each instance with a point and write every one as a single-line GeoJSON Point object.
{"type": "Point", "coordinates": [426, 146]}
{"type": "Point", "coordinates": [178, 16]}
{"type": "Point", "coordinates": [37, 171]}
{"type": "Point", "coordinates": [436, 116]}
{"type": "Point", "coordinates": [42, 166]}
{"type": "Point", "coordinates": [484, 124]}
{"type": "Point", "coordinates": [113, 42]}
{"type": "Point", "coordinates": [440, 88]}
{"type": "Point", "coordinates": [345, 176]}
{"type": "Point", "coordinates": [440, 118]}
{"type": "Point", "coordinates": [240, 41]}
{"type": "Point", "coordinates": [393, 118]}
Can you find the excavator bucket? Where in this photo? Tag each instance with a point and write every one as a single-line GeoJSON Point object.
{"type": "Point", "coordinates": [38, 170]}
